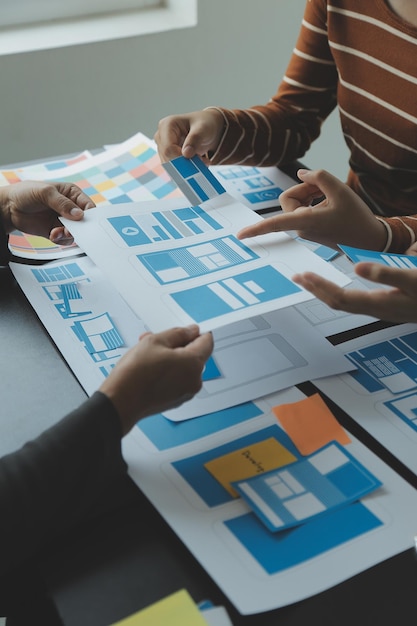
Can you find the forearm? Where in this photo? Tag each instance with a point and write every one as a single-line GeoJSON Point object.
{"type": "Point", "coordinates": [401, 233]}
{"type": "Point", "coordinates": [5, 209]}
{"type": "Point", "coordinates": [49, 485]}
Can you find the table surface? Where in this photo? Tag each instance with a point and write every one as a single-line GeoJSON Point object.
{"type": "Point", "coordinates": [126, 556]}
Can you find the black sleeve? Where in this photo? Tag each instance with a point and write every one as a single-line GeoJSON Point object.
{"type": "Point", "coordinates": [48, 485]}
{"type": "Point", "coordinates": [4, 250]}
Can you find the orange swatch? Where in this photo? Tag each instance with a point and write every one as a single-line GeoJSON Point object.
{"type": "Point", "coordinates": [310, 424]}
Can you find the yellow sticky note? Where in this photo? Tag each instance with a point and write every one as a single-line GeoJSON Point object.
{"type": "Point", "coordinates": [310, 424]}
{"type": "Point", "coordinates": [178, 609]}
{"type": "Point", "coordinates": [249, 461]}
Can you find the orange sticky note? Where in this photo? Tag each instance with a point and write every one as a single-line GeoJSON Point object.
{"type": "Point", "coordinates": [310, 424]}
{"type": "Point", "coordinates": [249, 461]}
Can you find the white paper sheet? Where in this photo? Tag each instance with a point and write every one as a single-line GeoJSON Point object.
{"type": "Point", "coordinates": [382, 396]}
{"type": "Point", "coordinates": [176, 265]}
{"type": "Point", "coordinates": [256, 187]}
{"type": "Point", "coordinates": [84, 314]}
{"type": "Point", "coordinates": [240, 555]}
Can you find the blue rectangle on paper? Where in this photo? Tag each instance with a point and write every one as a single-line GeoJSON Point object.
{"type": "Point", "coordinates": [167, 225]}
{"type": "Point", "coordinates": [276, 552]}
{"type": "Point", "coordinates": [161, 233]}
{"type": "Point", "coordinates": [185, 214]}
{"type": "Point", "coordinates": [129, 231]}
{"type": "Point", "coordinates": [194, 227]}
{"type": "Point", "coordinates": [201, 194]}
{"type": "Point", "coordinates": [166, 434]}
{"type": "Point", "coordinates": [204, 484]}
{"type": "Point", "coordinates": [207, 218]}
{"type": "Point", "coordinates": [267, 195]}
{"type": "Point", "coordinates": [215, 183]}
{"type": "Point", "coordinates": [185, 167]}
{"type": "Point", "coordinates": [274, 499]}
{"type": "Point", "coordinates": [211, 370]}
{"type": "Point", "coordinates": [202, 304]}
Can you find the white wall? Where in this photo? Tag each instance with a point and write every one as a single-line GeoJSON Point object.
{"type": "Point", "coordinates": [65, 100]}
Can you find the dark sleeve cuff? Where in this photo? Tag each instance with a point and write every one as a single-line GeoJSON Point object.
{"type": "Point", "coordinates": [5, 255]}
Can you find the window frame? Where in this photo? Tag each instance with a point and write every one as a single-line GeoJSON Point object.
{"type": "Point", "coordinates": [25, 12]}
{"type": "Point", "coordinates": [52, 34]}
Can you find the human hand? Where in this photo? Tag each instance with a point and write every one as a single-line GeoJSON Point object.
{"type": "Point", "coordinates": [33, 207]}
{"type": "Point", "coordinates": [412, 250]}
{"type": "Point", "coordinates": [161, 372]}
{"type": "Point", "coordinates": [394, 305]}
{"type": "Point", "coordinates": [341, 217]}
{"type": "Point", "coordinates": [189, 134]}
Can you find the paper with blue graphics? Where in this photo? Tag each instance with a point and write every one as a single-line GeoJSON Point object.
{"type": "Point", "coordinates": [93, 327]}
{"type": "Point", "coordinates": [399, 261]}
{"type": "Point", "coordinates": [194, 179]}
{"type": "Point", "coordinates": [259, 188]}
{"type": "Point", "coordinates": [259, 570]}
{"type": "Point", "coordinates": [381, 393]}
{"type": "Point", "coordinates": [177, 264]}
{"type": "Point", "coordinates": [294, 494]}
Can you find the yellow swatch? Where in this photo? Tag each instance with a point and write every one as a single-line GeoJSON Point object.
{"type": "Point", "coordinates": [178, 609]}
{"type": "Point", "coordinates": [310, 424]}
{"type": "Point", "coordinates": [254, 459]}
{"type": "Point", "coordinates": [105, 185]}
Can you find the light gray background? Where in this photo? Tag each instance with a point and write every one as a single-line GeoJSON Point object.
{"type": "Point", "coordinates": [65, 100]}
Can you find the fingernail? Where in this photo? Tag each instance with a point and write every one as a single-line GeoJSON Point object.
{"type": "Point", "coordinates": [76, 211]}
{"type": "Point", "coordinates": [187, 151]}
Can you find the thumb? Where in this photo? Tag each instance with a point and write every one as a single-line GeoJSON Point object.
{"type": "Point", "coordinates": [198, 141]}
{"type": "Point", "coordinates": [62, 205]}
{"type": "Point", "coordinates": [402, 279]}
{"type": "Point", "coordinates": [188, 150]}
{"type": "Point", "coordinates": [178, 337]}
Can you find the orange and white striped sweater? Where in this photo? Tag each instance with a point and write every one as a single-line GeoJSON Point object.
{"type": "Point", "coordinates": [361, 57]}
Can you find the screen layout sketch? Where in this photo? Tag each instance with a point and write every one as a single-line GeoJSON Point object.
{"type": "Point", "coordinates": [176, 264]}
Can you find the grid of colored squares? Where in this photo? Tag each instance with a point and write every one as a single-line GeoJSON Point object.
{"type": "Point", "coordinates": [128, 175]}
{"type": "Point", "coordinates": [134, 175]}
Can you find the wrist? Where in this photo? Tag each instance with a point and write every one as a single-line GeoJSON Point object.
{"type": "Point", "coordinates": [5, 215]}
{"type": "Point", "coordinates": [221, 127]}
{"type": "Point", "coordinates": [385, 235]}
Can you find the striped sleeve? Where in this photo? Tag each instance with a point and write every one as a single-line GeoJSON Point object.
{"type": "Point", "coordinates": [402, 233]}
{"type": "Point", "coordinates": [282, 130]}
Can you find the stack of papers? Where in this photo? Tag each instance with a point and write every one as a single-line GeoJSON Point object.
{"type": "Point", "coordinates": [270, 494]}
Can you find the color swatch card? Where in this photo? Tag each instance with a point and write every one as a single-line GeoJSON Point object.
{"type": "Point", "coordinates": [129, 172]}
{"type": "Point", "coordinates": [179, 264]}
{"type": "Point", "coordinates": [401, 261]}
{"type": "Point", "coordinates": [316, 485]}
{"type": "Point", "coordinates": [39, 171]}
